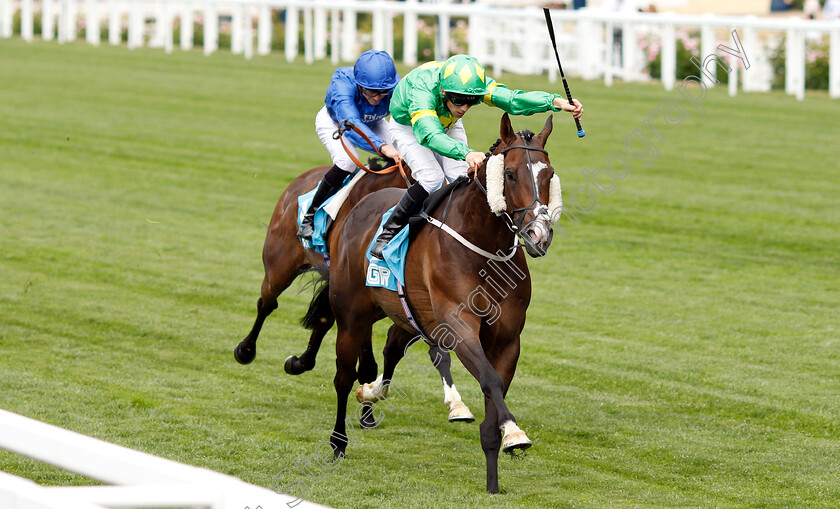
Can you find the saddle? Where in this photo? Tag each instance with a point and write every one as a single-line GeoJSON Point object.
{"type": "Point", "coordinates": [390, 272]}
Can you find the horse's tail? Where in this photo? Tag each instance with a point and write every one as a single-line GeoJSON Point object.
{"type": "Point", "coordinates": [320, 312]}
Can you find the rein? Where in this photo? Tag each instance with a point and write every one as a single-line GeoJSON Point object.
{"type": "Point", "coordinates": [345, 126]}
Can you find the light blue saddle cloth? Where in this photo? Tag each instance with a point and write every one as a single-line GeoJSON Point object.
{"type": "Point", "coordinates": [386, 273]}
{"type": "Point", "coordinates": [322, 222]}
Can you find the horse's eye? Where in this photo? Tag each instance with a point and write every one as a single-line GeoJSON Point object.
{"type": "Point", "coordinates": [510, 176]}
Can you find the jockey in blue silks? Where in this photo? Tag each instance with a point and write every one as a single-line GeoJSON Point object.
{"type": "Point", "coordinates": [362, 95]}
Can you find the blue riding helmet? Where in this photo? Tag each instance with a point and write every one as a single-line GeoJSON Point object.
{"type": "Point", "coordinates": [375, 70]}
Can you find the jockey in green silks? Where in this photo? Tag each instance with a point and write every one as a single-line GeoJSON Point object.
{"type": "Point", "coordinates": [426, 128]}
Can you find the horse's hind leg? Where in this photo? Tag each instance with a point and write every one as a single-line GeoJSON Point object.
{"type": "Point", "coordinates": [246, 350]}
{"type": "Point", "coordinates": [458, 411]}
{"type": "Point", "coordinates": [377, 389]}
{"type": "Point", "coordinates": [319, 319]}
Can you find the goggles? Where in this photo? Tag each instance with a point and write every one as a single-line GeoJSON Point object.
{"type": "Point", "coordinates": [375, 92]}
{"type": "Point", "coordinates": [463, 100]}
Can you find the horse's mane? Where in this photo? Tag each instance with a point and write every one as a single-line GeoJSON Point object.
{"type": "Point", "coordinates": [526, 136]}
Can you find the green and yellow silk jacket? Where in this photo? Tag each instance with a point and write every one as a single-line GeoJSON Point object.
{"type": "Point", "coordinates": [417, 101]}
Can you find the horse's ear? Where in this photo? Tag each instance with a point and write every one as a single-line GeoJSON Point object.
{"type": "Point", "coordinates": [546, 130]}
{"type": "Point", "coordinates": [506, 131]}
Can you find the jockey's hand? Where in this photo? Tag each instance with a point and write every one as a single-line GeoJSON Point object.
{"type": "Point", "coordinates": [390, 151]}
{"type": "Point", "coordinates": [575, 109]}
{"type": "Point", "coordinates": [474, 159]}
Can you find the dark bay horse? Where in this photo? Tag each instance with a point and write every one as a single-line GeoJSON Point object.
{"type": "Point", "coordinates": [284, 259]}
{"type": "Point", "coordinates": [470, 299]}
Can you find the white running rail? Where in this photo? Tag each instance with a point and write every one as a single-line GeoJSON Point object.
{"type": "Point", "coordinates": [138, 479]}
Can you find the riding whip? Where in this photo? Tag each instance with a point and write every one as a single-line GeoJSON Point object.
{"type": "Point", "coordinates": [581, 132]}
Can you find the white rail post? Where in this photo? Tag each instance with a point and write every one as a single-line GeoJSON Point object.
{"type": "Point", "coordinates": [292, 33]}
{"type": "Point", "coordinates": [707, 48]}
{"type": "Point", "coordinates": [92, 35]}
{"type": "Point", "coordinates": [236, 42]}
{"type": "Point", "coordinates": [795, 61]}
{"type": "Point", "coordinates": [389, 32]}
{"type": "Point", "coordinates": [6, 18]}
{"type": "Point", "coordinates": [320, 14]}
{"type": "Point", "coordinates": [156, 40]}
{"type": "Point", "coordinates": [136, 23]}
{"type": "Point", "coordinates": [476, 43]}
{"type": "Point", "coordinates": [248, 32]}
{"type": "Point", "coordinates": [348, 35]}
{"type": "Point", "coordinates": [750, 80]}
{"type": "Point", "coordinates": [834, 64]}
{"type": "Point", "coordinates": [47, 19]}
{"type": "Point", "coordinates": [26, 20]}
{"type": "Point", "coordinates": [732, 86]}
{"type": "Point", "coordinates": [187, 20]}
{"type": "Point", "coordinates": [378, 39]}
{"type": "Point", "coordinates": [335, 37]}
{"type": "Point", "coordinates": [669, 54]}
{"type": "Point", "coordinates": [308, 36]}
{"type": "Point", "coordinates": [62, 21]}
{"type": "Point", "coordinates": [265, 27]}
{"type": "Point", "coordinates": [442, 43]}
{"type": "Point", "coordinates": [168, 21]}
{"type": "Point", "coordinates": [589, 55]}
{"type": "Point", "coordinates": [211, 28]}
{"type": "Point", "coordinates": [629, 51]}
{"type": "Point", "coordinates": [115, 9]}
{"type": "Point", "coordinates": [410, 33]}
{"type": "Point", "coordinates": [609, 53]}
{"type": "Point", "coordinates": [800, 64]}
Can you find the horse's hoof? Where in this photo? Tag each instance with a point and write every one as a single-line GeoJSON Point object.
{"type": "Point", "coordinates": [244, 354]}
{"type": "Point", "coordinates": [292, 365]}
{"type": "Point", "coordinates": [515, 440]}
{"type": "Point", "coordinates": [373, 391]}
{"type": "Point", "coordinates": [460, 412]}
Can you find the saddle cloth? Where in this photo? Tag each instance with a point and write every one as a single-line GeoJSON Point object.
{"type": "Point", "coordinates": [386, 273]}
{"type": "Point", "coordinates": [326, 214]}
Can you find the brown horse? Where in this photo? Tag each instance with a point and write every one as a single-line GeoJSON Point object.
{"type": "Point", "coordinates": [468, 295]}
{"type": "Point", "coordinates": [284, 259]}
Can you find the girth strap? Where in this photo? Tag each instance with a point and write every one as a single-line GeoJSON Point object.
{"type": "Point", "coordinates": [409, 314]}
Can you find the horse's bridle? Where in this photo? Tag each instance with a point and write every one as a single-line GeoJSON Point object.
{"type": "Point", "coordinates": [515, 223]}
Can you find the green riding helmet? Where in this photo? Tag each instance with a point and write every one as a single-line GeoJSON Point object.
{"type": "Point", "coordinates": [462, 74]}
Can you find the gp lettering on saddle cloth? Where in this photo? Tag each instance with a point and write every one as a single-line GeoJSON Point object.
{"type": "Point", "coordinates": [426, 128]}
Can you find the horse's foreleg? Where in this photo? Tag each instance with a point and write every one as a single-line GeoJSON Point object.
{"type": "Point", "coordinates": [246, 350]}
{"type": "Point", "coordinates": [458, 411]}
{"type": "Point", "coordinates": [491, 442]}
{"type": "Point", "coordinates": [498, 417]}
{"type": "Point", "coordinates": [367, 373]}
{"type": "Point", "coordinates": [398, 340]}
{"type": "Point", "coordinates": [347, 352]}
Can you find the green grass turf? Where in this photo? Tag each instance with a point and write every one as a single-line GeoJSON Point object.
{"type": "Point", "coordinates": [682, 342]}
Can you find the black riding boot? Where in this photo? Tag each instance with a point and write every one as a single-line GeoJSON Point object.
{"type": "Point", "coordinates": [328, 187]}
{"type": "Point", "coordinates": [409, 204]}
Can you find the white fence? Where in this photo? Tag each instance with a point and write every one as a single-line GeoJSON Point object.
{"type": "Point", "coordinates": [512, 39]}
{"type": "Point", "coordinates": [140, 479]}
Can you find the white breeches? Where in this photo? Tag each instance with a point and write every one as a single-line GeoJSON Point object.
{"type": "Point", "coordinates": [325, 127]}
{"type": "Point", "coordinates": [427, 166]}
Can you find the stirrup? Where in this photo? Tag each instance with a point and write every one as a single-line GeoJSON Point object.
{"type": "Point", "coordinates": [378, 247]}
{"type": "Point", "coordinates": [307, 227]}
